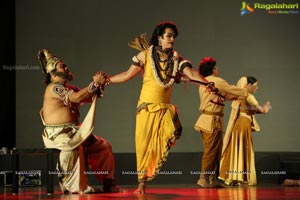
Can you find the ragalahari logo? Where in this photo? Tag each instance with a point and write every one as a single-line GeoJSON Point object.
{"type": "Point", "coordinates": [246, 8]}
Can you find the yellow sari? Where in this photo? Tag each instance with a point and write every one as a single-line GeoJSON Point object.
{"type": "Point", "coordinates": [237, 165]}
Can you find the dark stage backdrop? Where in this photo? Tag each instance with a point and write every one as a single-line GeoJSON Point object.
{"type": "Point", "coordinates": [93, 35]}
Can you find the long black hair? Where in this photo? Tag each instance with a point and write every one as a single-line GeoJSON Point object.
{"type": "Point", "coordinates": [160, 30]}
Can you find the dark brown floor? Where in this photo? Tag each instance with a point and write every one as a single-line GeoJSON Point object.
{"type": "Point", "coordinates": [165, 192]}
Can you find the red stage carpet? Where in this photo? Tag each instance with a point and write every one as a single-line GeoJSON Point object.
{"type": "Point", "coordinates": [165, 192]}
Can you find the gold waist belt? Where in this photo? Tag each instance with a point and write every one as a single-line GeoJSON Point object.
{"type": "Point", "coordinates": [220, 114]}
{"type": "Point", "coordinates": [244, 114]}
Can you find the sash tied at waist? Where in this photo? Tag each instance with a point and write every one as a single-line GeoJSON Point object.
{"type": "Point", "coordinates": [154, 107]}
{"type": "Point", "coordinates": [220, 114]}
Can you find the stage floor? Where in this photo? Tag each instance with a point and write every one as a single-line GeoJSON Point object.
{"type": "Point", "coordinates": [165, 192]}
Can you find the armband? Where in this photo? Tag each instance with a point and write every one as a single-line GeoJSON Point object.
{"type": "Point", "coordinates": [107, 81]}
{"type": "Point", "coordinates": [136, 62]}
{"type": "Point", "coordinates": [63, 93]}
{"type": "Point", "coordinates": [183, 64]}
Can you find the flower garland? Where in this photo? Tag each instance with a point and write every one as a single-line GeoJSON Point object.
{"type": "Point", "coordinates": [172, 67]}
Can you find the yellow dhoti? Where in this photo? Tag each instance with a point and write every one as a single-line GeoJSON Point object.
{"type": "Point", "coordinates": [157, 128]}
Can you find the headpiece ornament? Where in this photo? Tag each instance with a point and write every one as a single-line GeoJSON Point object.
{"type": "Point", "coordinates": [47, 60]}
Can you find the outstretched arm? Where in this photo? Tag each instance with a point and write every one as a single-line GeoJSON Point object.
{"type": "Point", "coordinates": [84, 95]}
{"type": "Point", "coordinates": [193, 74]}
{"type": "Point", "coordinates": [126, 75]}
{"type": "Point", "coordinates": [263, 109]}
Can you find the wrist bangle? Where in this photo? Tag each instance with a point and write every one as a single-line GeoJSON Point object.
{"type": "Point", "coordinates": [107, 81]}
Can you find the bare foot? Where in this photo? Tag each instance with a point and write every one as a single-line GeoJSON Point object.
{"type": "Point", "coordinates": [141, 189]}
{"type": "Point", "coordinates": [290, 183]}
{"type": "Point", "coordinates": [202, 182]}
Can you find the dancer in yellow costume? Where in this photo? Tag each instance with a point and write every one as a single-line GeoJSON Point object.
{"type": "Point", "coordinates": [237, 165]}
{"type": "Point", "coordinates": [157, 122]}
